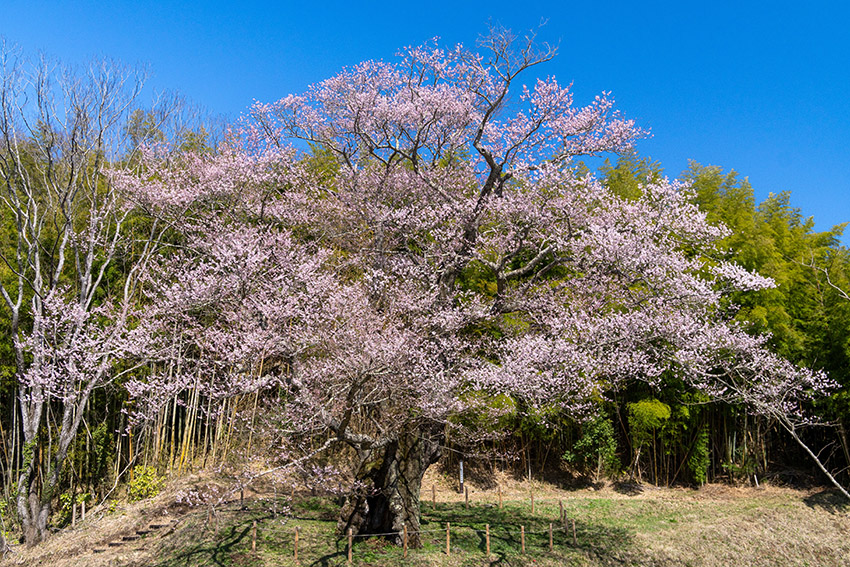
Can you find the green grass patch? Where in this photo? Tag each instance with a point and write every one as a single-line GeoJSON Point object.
{"type": "Point", "coordinates": [673, 531]}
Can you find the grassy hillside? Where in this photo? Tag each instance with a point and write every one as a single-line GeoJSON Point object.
{"type": "Point", "coordinates": [616, 525]}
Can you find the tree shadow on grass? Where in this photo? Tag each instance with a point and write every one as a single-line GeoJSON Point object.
{"type": "Point", "coordinates": [830, 500]}
{"type": "Point", "coordinates": [468, 527]}
{"type": "Point", "coordinates": [218, 552]}
{"type": "Point", "coordinates": [601, 544]}
{"type": "Point", "coordinates": [606, 544]}
{"type": "Point", "coordinates": [197, 544]}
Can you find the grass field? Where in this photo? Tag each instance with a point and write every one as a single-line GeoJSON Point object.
{"type": "Point", "coordinates": [713, 526]}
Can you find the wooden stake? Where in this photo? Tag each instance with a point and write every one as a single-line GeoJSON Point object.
{"type": "Point", "coordinates": [466, 497]}
{"type": "Point", "coordinates": [405, 540]}
{"type": "Point", "coordinates": [448, 538]}
{"type": "Point", "coordinates": [296, 544]}
{"type": "Point", "coordinates": [83, 506]}
{"type": "Point", "coordinates": [575, 541]}
{"type": "Point", "coordinates": [487, 537]}
{"type": "Point", "coordinates": [500, 497]}
{"type": "Point", "coordinates": [254, 537]}
{"type": "Point", "coordinates": [350, 543]}
{"type": "Point", "coordinates": [522, 538]}
{"type": "Point", "coordinates": [561, 506]}
{"type": "Point", "coordinates": [551, 546]}
{"type": "Point", "coordinates": [433, 495]}
{"type": "Point", "coordinates": [73, 513]}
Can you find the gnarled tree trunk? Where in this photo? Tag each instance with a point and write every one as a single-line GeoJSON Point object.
{"type": "Point", "coordinates": [34, 512]}
{"type": "Point", "coordinates": [390, 480]}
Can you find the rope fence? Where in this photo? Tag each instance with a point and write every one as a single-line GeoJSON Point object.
{"type": "Point", "coordinates": [508, 534]}
{"type": "Point", "coordinates": [300, 542]}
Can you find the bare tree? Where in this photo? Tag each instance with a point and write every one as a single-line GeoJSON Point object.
{"type": "Point", "coordinates": [59, 129]}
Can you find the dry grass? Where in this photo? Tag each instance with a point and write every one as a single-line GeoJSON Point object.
{"type": "Point", "coordinates": [717, 525]}
{"type": "Point", "coordinates": [109, 523]}
{"type": "Point", "coordinates": [615, 525]}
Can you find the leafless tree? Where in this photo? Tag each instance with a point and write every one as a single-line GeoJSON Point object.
{"type": "Point", "coordinates": [60, 127]}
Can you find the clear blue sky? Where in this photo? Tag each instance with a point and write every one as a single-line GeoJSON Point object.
{"type": "Point", "coordinates": [759, 87]}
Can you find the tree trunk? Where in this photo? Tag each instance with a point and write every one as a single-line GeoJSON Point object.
{"type": "Point", "coordinates": [33, 514]}
{"type": "Point", "coordinates": [34, 497]}
{"type": "Point", "coordinates": [34, 520]}
{"type": "Point", "coordinates": [33, 501]}
{"type": "Point", "coordinates": [389, 483]}
{"type": "Point", "coordinates": [790, 428]}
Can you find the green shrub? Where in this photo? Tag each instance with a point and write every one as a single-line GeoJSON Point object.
{"type": "Point", "coordinates": [645, 418]}
{"type": "Point", "coordinates": [146, 483]}
{"type": "Point", "coordinates": [64, 513]}
{"type": "Point", "coordinates": [596, 448]}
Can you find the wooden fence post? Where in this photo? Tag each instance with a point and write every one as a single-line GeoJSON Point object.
{"type": "Point", "coordinates": [466, 497]}
{"type": "Point", "coordinates": [433, 495]}
{"type": "Point", "coordinates": [522, 538]}
{"type": "Point", "coordinates": [405, 540]}
{"type": "Point", "coordinates": [551, 545]}
{"type": "Point", "coordinates": [561, 507]}
{"type": "Point", "coordinates": [448, 538]}
{"type": "Point", "coordinates": [73, 513]}
{"type": "Point", "coordinates": [83, 506]}
{"type": "Point", "coordinates": [575, 541]}
{"type": "Point", "coordinates": [350, 543]}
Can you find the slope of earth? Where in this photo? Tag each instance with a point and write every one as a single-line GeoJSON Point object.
{"type": "Point", "coordinates": [615, 525]}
